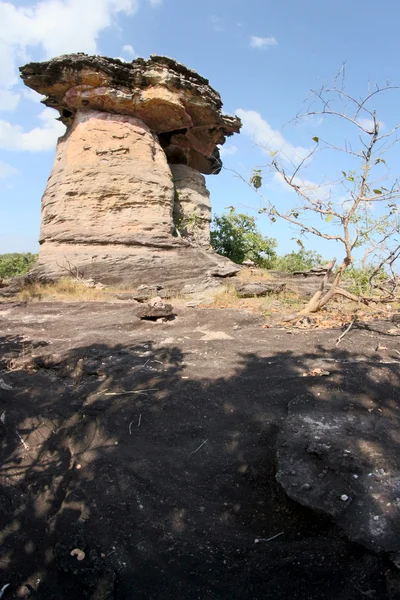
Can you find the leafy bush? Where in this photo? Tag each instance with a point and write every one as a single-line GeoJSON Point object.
{"type": "Point", "coordinates": [236, 236]}
{"type": "Point", "coordinates": [358, 278]}
{"type": "Point", "coordinates": [16, 264]}
{"type": "Point", "coordinates": [302, 260]}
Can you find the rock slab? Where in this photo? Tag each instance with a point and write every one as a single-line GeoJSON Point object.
{"type": "Point", "coordinates": [342, 460]}
{"type": "Point", "coordinates": [259, 288]}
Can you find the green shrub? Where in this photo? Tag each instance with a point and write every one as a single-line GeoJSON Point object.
{"type": "Point", "coordinates": [236, 236]}
{"type": "Point", "coordinates": [358, 278]}
{"type": "Point", "coordinates": [16, 263]}
{"type": "Point", "coordinates": [303, 260]}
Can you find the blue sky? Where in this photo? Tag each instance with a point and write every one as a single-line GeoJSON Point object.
{"type": "Point", "coordinates": [262, 56]}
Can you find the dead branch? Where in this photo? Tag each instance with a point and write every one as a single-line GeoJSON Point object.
{"type": "Point", "coordinates": [71, 269]}
{"type": "Point", "coordinates": [351, 215]}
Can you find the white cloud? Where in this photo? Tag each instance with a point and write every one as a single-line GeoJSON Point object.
{"type": "Point", "coordinates": [216, 23]}
{"type": "Point", "coordinates": [55, 27]}
{"type": "Point", "coordinates": [262, 42]}
{"type": "Point", "coordinates": [267, 138]}
{"type": "Point", "coordinates": [13, 137]}
{"type": "Point", "coordinates": [228, 151]}
{"type": "Point", "coordinates": [368, 124]}
{"type": "Point", "coordinates": [6, 170]}
{"type": "Point", "coordinates": [32, 96]}
{"type": "Point", "coordinates": [8, 100]}
{"type": "Point", "coordinates": [316, 191]}
{"type": "Point", "coordinates": [44, 29]}
{"type": "Point", "coordinates": [128, 50]}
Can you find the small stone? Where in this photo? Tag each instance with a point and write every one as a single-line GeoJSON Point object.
{"type": "Point", "coordinates": [355, 476]}
{"type": "Point", "coordinates": [154, 311]}
{"type": "Point", "coordinates": [78, 466]}
{"type": "Point", "coordinates": [344, 498]}
{"type": "Point", "coordinates": [23, 592]}
{"type": "Point", "coordinates": [376, 518]}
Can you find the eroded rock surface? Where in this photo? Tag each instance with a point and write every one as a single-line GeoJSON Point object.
{"type": "Point", "coordinates": [258, 288]}
{"type": "Point", "coordinates": [170, 98]}
{"type": "Point", "coordinates": [341, 458]}
{"type": "Point", "coordinates": [128, 168]}
{"type": "Point", "coordinates": [111, 183]}
{"type": "Point", "coordinates": [192, 207]}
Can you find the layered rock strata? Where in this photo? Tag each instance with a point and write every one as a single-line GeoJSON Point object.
{"type": "Point", "coordinates": [192, 206]}
{"type": "Point", "coordinates": [126, 201]}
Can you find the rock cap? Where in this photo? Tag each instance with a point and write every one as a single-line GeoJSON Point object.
{"type": "Point", "coordinates": [174, 101]}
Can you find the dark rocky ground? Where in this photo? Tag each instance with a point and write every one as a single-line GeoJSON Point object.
{"type": "Point", "coordinates": [167, 490]}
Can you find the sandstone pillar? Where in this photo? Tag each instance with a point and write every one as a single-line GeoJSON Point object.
{"type": "Point", "coordinates": [192, 207]}
{"type": "Point", "coordinates": [112, 204]}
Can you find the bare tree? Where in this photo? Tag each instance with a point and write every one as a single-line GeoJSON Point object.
{"type": "Point", "coordinates": [357, 208]}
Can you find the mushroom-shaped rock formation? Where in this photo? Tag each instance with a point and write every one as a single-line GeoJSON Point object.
{"type": "Point", "coordinates": [126, 201]}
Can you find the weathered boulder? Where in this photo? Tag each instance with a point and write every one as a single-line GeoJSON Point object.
{"type": "Point", "coordinates": [339, 458]}
{"type": "Point", "coordinates": [127, 173]}
{"type": "Point", "coordinates": [258, 288]}
{"type": "Point", "coordinates": [154, 309]}
{"type": "Point", "coordinates": [223, 270]}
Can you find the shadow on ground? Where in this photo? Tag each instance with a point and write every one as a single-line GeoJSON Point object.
{"type": "Point", "coordinates": [165, 480]}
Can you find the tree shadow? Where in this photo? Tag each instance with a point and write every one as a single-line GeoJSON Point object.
{"type": "Point", "coordinates": [165, 481]}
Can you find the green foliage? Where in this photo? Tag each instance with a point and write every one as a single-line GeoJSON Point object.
{"type": "Point", "coordinates": [358, 278]}
{"type": "Point", "coordinates": [298, 261]}
{"type": "Point", "coordinates": [256, 179]}
{"type": "Point", "coordinates": [189, 221]}
{"type": "Point", "coordinates": [16, 264]}
{"type": "Point", "coordinates": [236, 236]}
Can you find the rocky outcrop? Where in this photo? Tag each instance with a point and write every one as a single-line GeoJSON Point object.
{"type": "Point", "coordinates": [126, 201]}
{"type": "Point", "coordinates": [110, 183]}
{"type": "Point", "coordinates": [341, 458]}
{"type": "Point", "coordinates": [192, 206]}
{"type": "Point", "coordinates": [255, 289]}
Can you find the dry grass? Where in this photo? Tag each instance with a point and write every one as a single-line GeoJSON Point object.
{"type": "Point", "coordinates": [64, 290]}
{"type": "Point", "coordinates": [266, 305]}
{"type": "Point", "coordinates": [226, 297]}
{"type": "Point", "coordinates": [248, 275]}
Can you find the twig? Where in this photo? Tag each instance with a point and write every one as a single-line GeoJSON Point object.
{"type": "Point", "coordinates": [345, 332]}
{"type": "Point", "coordinates": [130, 392]}
{"type": "Point", "coordinates": [3, 589]}
{"type": "Point", "coordinates": [201, 445]}
{"type": "Point", "coordinates": [25, 445]}
{"type": "Point", "coordinates": [258, 540]}
{"type": "Point", "coordinates": [131, 423]}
